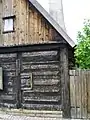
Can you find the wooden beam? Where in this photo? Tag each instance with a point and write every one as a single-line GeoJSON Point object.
{"type": "Point", "coordinates": [65, 81]}
{"type": "Point", "coordinates": [29, 48]}
{"type": "Point", "coordinates": [18, 81]}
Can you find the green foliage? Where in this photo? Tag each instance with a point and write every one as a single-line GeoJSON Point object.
{"type": "Point", "coordinates": [82, 50]}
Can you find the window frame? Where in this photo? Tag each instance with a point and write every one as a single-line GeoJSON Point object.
{"type": "Point", "coordinates": [7, 18]}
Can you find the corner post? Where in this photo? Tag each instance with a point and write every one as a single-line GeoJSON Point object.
{"type": "Point", "coordinates": [18, 81]}
{"type": "Point", "coordinates": [65, 82]}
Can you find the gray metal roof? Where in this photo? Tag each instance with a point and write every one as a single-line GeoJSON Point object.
{"type": "Point", "coordinates": [52, 22]}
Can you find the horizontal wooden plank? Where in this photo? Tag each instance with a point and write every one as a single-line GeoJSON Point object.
{"type": "Point", "coordinates": [8, 57]}
{"type": "Point", "coordinates": [40, 58]}
{"type": "Point", "coordinates": [46, 73]}
{"type": "Point", "coordinates": [52, 66]}
{"type": "Point", "coordinates": [7, 97]}
{"type": "Point", "coordinates": [30, 48]}
{"type": "Point", "coordinates": [35, 77]}
{"type": "Point", "coordinates": [8, 105]}
{"type": "Point", "coordinates": [40, 74]}
{"type": "Point", "coordinates": [41, 106]}
{"type": "Point", "coordinates": [9, 66]}
{"type": "Point", "coordinates": [46, 82]}
{"type": "Point", "coordinates": [31, 94]}
{"type": "Point", "coordinates": [25, 75]}
{"type": "Point", "coordinates": [6, 60]}
{"type": "Point", "coordinates": [28, 66]}
{"type": "Point", "coordinates": [41, 97]}
{"type": "Point", "coordinates": [11, 55]}
{"type": "Point", "coordinates": [40, 62]}
{"type": "Point", "coordinates": [39, 100]}
{"type": "Point", "coordinates": [42, 71]}
{"type": "Point", "coordinates": [43, 89]}
{"type": "Point", "coordinates": [42, 53]}
{"type": "Point", "coordinates": [50, 95]}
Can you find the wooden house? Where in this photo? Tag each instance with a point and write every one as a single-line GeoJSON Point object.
{"type": "Point", "coordinates": [35, 57]}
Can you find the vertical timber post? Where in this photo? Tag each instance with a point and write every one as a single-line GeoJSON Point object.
{"type": "Point", "coordinates": [65, 82]}
{"type": "Point", "coordinates": [18, 83]}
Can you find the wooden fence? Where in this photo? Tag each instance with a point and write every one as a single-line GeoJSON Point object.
{"type": "Point", "coordinates": [80, 93]}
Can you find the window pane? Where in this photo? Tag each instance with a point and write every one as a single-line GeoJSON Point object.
{"type": "Point", "coordinates": [5, 25]}
{"type": "Point", "coordinates": [8, 25]}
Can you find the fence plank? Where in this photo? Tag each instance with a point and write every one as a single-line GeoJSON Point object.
{"type": "Point", "coordinates": [72, 96]}
{"type": "Point", "coordinates": [75, 97]}
{"type": "Point", "coordinates": [80, 93]}
{"type": "Point", "coordinates": [88, 91]}
{"type": "Point", "coordinates": [86, 94]}
{"type": "Point", "coordinates": [83, 94]}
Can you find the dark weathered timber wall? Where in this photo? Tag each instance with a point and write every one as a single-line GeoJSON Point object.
{"type": "Point", "coordinates": [44, 67]}
{"type": "Point", "coordinates": [45, 92]}
{"type": "Point", "coordinates": [65, 82]}
{"type": "Point", "coordinates": [8, 95]}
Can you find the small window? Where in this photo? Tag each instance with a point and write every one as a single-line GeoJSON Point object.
{"type": "Point", "coordinates": [26, 81]}
{"type": "Point", "coordinates": [8, 24]}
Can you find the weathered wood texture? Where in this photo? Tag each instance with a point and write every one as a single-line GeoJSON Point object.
{"type": "Point", "coordinates": [65, 82]}
{"type": "Point", "coordinates": [8, 95]}
{"type": "Point", "coordinates": [71, 58]}
{"type": "Point", "coordinates": [1, 22]}
{"type": "Point", "coordinates": [30, 26]}
{"type": "Point", "coordinates": [31, 80]}
{"type": "Point", "coordinates": [80, 93]}
{"type": "Point", "coordinates": [45, 92]}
